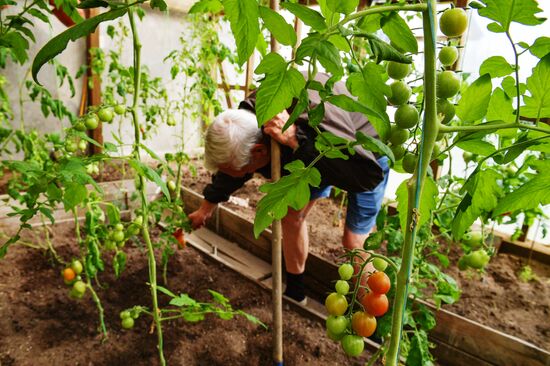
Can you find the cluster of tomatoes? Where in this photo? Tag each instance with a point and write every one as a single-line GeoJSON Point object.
{"type": "Point", "coordinates": [127, 318]}
{"type": "Point", "coordinates": [71, 276]}
{"type": "Point", "coordinates": [363, 322]}
{"type": "Point", "coordinates": [476, 257]}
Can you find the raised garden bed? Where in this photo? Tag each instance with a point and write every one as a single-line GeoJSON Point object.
{"type": "Point", "coordinates": [40, 323]}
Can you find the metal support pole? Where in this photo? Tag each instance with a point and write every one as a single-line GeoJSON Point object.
{"type": "Point", "coordinates": [276, 245]}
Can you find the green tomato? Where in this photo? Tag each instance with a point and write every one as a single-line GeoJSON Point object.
{"type": "Point", "coordinates": [79, 126]}
{"type": "Point", "coordinates": [398, 151]}
{"type": "Point", "coordinates": [138, 220]}
{"type": "Point", "coordinates": [120, 109]}
{"type": "Point", "coordinates": [468, 156]}
{"type": "Point", "coordinates": [345, 271]}
{"type": "Point", "coordinates": [447, 84]}
{"type": "Point", "coordinates": [110, 245]}
{"type": "Point", "coordinates": [453, 22]}
{"type": "Point", "coordinates": [119, 227]}
{"type": "Point", "coordinates": [445, 110]}
{"type": "Point", "coordinates": [397, 70]}
{"type": "Point", "coordinates": [82, 145]}
{"type": "Point", "coordinates": [342, 287]}
{"type": "Point", "coordinates": [171, 121]}
{"type": "Point", "coordinates": [335, 337]}
{"type": "Point", "coordinates": [473, 239]}
{"type": "Point", "coordinates": [92, 121]}
{"type": "Point", "coordinates": [337, 325]}
{"type": "Point", "coordinates": [79, 287]}
{"type": "Point", "coordinates": [117, 236]}
{"type": "Point", "coordinates": [398, 135]}
{"type": "Point", "coordinates": [70, 146]}
{"type": "Point", "coordinates": [401, 93]}
{"type": "Point", "coordinates": [448, 55]}
{"type": "Point", "coordinates": [353, 345]}
{"type": "Point", "coordinates": [106, 114]}
{"type": "Point", "coordinates": [336, 304]}
{"type": "Point", "coordinates": [477, 259]}
{"type": "Point", "coordinates": [379, 264]}
{"type": "Point", "coordinates": [406, 116]}
{"type": "Point", "coordinates": [409, 163]}
{"type": "Point", "coordinates": [76, 265]}
{"type": "Point", "coordinates": [125, 314]}
{"type": "Point", "coordinates": [127, 323]}
{"type": "Point", "coordinates": [171, 185]}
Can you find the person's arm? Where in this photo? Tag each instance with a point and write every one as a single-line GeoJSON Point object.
{"type": "Point", "coordinates": [219, 190]}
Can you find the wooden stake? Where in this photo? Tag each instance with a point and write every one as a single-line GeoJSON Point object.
{"type": "Point", "coordinates": [249, 72]}
{"type": "Point", "coordinates": [276, 245]}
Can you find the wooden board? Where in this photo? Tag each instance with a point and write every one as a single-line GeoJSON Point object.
{"type": "Point", "coordinates": [456, 335]}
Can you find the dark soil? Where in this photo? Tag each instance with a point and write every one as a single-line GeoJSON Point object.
{"type": "Point", "coordinates": [41, 325]}
{"type": "Point", "coordinates": [496, 299]}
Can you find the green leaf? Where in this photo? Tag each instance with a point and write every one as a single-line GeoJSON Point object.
{"type": "Point", "coordinates": [279, 28]}
{"type": "Point", "coordinates": [496, 66]}
{"type": "Point", "coordinates": [158, 4]}
{"type": "Point", "coordinates": [18, 45]}
{"type": "Point", "coordinates": [370, 23]}
{"type": "Point", "coordinates": [308, 16]}
{"type": "Point", "coordinates": [74, 195]}
{"type": "Point", "coordinates": [276, 92]}
{"type": "Point", "coordinates": [151, 175]}
{"type": "Point", "coordinates": [272, 63]}
{"type": "Point", "coordinates": [500, 107]}
{"type": "Point", "coordinates": [538, 84]}
{"type": "Point", "coordinates": [342, 6]}
{"type": "Point", "coordinates": [316, 115]}
{"type": "Point", "coordinates": [495, 28]}
{"type": "Point", "coordinates": [374, 145]}
{"type": "Point", "coordinates": [504, 12]}
{"type": "Point", "coordinates": [541, 47]}
{"type": "Point", "coordinates": [477, 147]}
{"type": "Point", "coordinates": [377, 119]}
{"type": "Point", "coordinates": [419, 352]}
{"type": "Point", "coordinates": [475, 100]}
{"type": "Point", "coordinates": [59, 43]}
{"type": "Point", "coordinates": [290, 191]}
{"type": "Point", "coordinates": [316, 47]}
{"type": "Point", "coordinates": [427, 202]}
{"type": "Point", "coordinates": [340, 42]}
{"type": "Point", "coordinates": [399, 32]}
{"type": "Point", "coordinates": [483, 194]}
{"type": "Point", "coordinates": [374, 241]}
{"type": "Point", "coordinates": [529, 196]}
{"type": "Point", "coordinates": [89, 4]}
{"type": "Point", "coordinates": [166, 291]}
{"type": "Point", "coordinates": [383, 51]}
{"type": "Point", "coordinates": [219, 298]}
{"type": "Point", "coordinates": [206, 6]}
{"type": "Point", "coordinates": [243, 17]}
{"type": "Point", "coordinates": [119, 263]}
{"type": "Point", "coordinates": [183, 300]}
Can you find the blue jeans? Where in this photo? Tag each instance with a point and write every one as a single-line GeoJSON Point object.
{"type": "Point", "coordinates": [363, 207]}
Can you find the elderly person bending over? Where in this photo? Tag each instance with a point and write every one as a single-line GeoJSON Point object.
{"type": "Point", "coordinates": [235, 148]}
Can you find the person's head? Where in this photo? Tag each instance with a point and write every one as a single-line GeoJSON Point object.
{"type": "Point", "coordinates": [234, 144]}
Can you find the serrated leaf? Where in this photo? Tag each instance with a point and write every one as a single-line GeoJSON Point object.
{"type": "Point", "coordinates": [59, 43]}
{"type": "Point", "coordinates": [206, 6]}
{"type": "Point", "coordinates": [272, 63]}
{"type": "Point", "coordinates": [419, 352]}
{"type": "Point", "coordinates": [316, 47]}
{"type": "Point", "coordinates": [377, 119]}
{"type": "Point", "coordinates": [483, 194]}
{"type": "Point", "coordinates": [219, 298]}
{"type": "Point", "coordinates": [308, 16]}
{"type": "Point", "coordinates": [276, 92]}
{"type": "Point", "coordinates": [504, 12]}
{"type": "Point", "coordinates": [74, 195]}
{"type": "Point", "coordinates": [183, 300]}
{"type": "Point", "coordinates": [529, 196]}
{"type": "Point", "coordinates": [399, 32]}
{"type": "Point", "coordinates": [496, 66]}
{"type": "Point", "coordinates": [158, 4]}
{"type": "Point", "coordinates": [290, 191]}
{"type": "Point", "coordinates": [279, 28]}
{"type": "Point", "coordinates": [243, 17]}
{"type": "Point", "coordinates": [541, 47]}
{"type": "Point", "coordinates": [475, 100]}
{"type": "Point", "coordinates": [538, 84]}
{"type": "Point", "coordinates": [477, 147]}
{"type": "Point", "coordinates": [427, 202]}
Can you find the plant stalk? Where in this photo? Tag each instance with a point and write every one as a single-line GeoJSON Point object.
{"type": "Point", "coordinates": [416, 183]}
{"type": "Point", "coordinates": [145, 213]}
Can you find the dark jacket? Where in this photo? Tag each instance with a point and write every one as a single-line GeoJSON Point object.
{"type": "Point", "coordinates": [361, 172]}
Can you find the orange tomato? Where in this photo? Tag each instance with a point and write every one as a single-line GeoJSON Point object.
{"type": "Point", "coordinates": [69, 274]}
{"type": "Point", "coordinates": [363, 324]}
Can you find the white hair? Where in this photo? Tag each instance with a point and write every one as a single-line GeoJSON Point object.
{"type": "Point", "coordinates": [230, 138]}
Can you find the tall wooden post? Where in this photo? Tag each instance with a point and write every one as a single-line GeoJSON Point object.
{"type": "Point", "coordinates": [276, 245]}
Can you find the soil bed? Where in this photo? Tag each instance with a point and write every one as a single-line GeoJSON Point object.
{"type": "Point", "coordinates": [496, 299]}
{"type": "Point", "coordinates": [41, 325]}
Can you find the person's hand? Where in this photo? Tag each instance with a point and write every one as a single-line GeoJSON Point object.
{"type": "Point", "coordinates": [198, 218]}
{"type": "Point", "coordinates": [274, 128]}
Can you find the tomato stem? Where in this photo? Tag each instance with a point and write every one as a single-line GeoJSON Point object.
{"type": "Point", "coordinates": [143, 196]}
{"type": "Point", "coordinates": [415, 184]}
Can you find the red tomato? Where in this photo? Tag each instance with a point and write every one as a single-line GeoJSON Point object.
{"type": "Point", "coordinates": [180, 237]}
{"type": "Point", "coordinates": [363, 324]}
{"type": "Point", "coordinates": [379, 283]}
{"type": "Point", "coordinates": [375, 304]}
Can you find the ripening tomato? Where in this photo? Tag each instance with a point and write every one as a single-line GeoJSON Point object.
{"type": "Point", "coordinates": [375, 304]}
{"type": "Point", "coordinates": [180, 237]}
{"type": "Point", "coordinates": [363, 324]}
{"type": "Point", "coordinates": [336, 304]}
{"type": "Point", "coordinates": [69, 274]}
{"type": "Point", "coordinates": [379, 283]}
